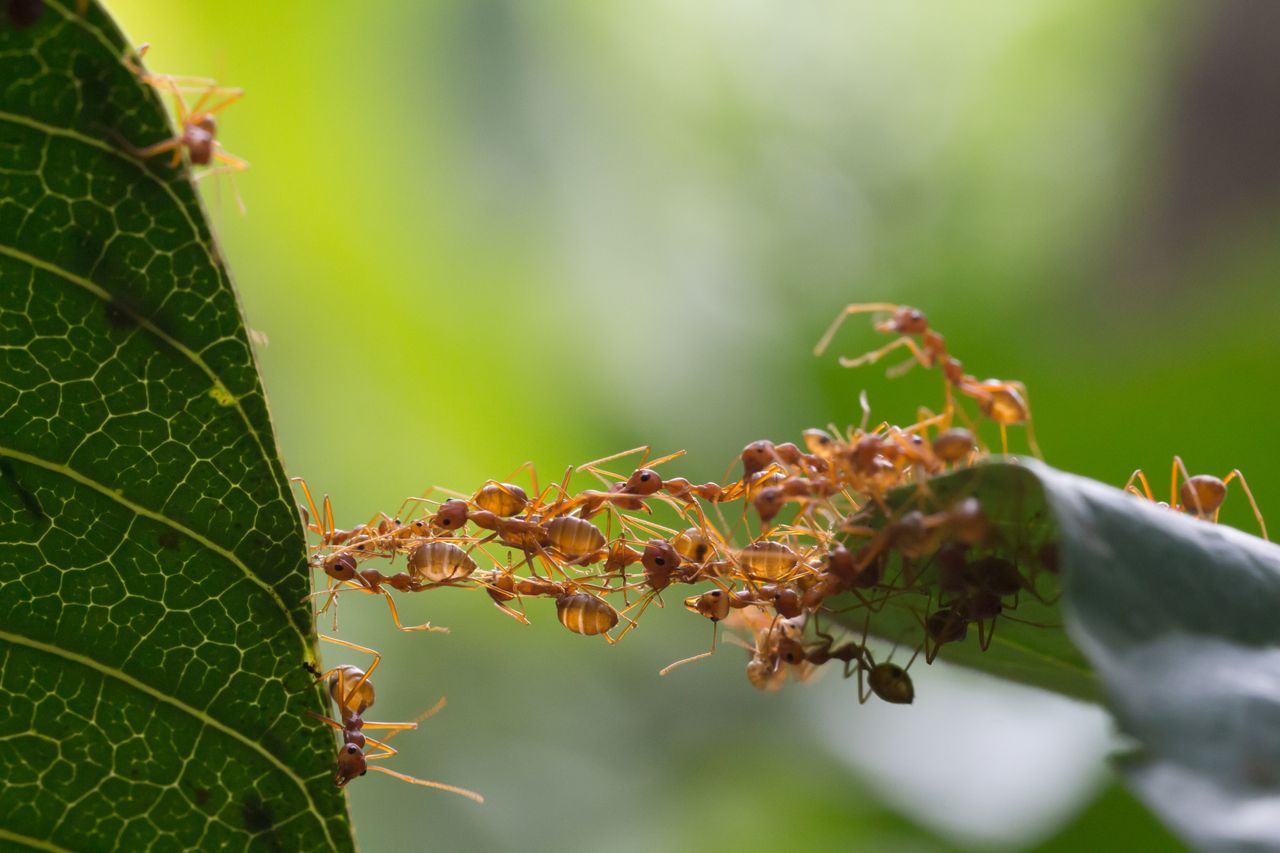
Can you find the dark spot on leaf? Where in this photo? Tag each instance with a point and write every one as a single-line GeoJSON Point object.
{"type": "Point", "coordinates": [202, 796]}
{"type": "Point", "coordinates": [258, 817]}
{"type": "Point", "coordinates": [25, 13]}
{"type": "Point", "coordinates": [169, 540]}
{"type": "Point", "coordinates": [28, 498]}
{"type": "Point", "coordinates": [119, 316]}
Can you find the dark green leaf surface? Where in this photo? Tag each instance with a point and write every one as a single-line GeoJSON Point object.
{"type": "Point", "coordinates": [1177, 619]}
{"type": "Point", "coordinates": [1020, 528]}
{"type": "Point", "coordinates": [152, 621]}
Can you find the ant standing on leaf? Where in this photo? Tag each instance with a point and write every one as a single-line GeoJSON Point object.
{"type": "Point", "coordinates": [1201, 495]}
{"type": "Point", "coordinates": [199, 126]}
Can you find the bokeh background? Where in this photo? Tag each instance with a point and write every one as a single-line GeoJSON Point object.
{"type": "Point", "coordinates": [485, 232]}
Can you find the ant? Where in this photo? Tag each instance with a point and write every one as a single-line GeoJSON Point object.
{"type": "Point", "coordinates": [1201, 495]}
{"type": "Point", "coordinates": [198, 122]}
{"type": "Point", "coordinates": [1004, 402]}
{"type": "Point", "coordinates": [352, 691]}
{"type": "Point", "coordinates": [342, 567]}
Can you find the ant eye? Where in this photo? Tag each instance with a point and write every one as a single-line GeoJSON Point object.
{"type": "Point", "coordinates": [716, 593]}
{"type": "Point", "coordinates": [660, 561]}
{"type": "Point", "coordinates": [644, 478]}
{"type": "Point", "coordinates": [351, 749]}
{"type": "Point", "coordinates": [363, 772]}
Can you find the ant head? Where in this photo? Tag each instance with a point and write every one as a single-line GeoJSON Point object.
{"type": "Point", "coordinates": [644, 481]}
{"type": "Point", "coordinates": [659, 557]}
{"type": "Point", "coordinates": [340, 567]}
{"type": "Point", "coordinates": [198, 137]}
{"type": "Point", "coordinates": [769, 503]}
{"type": "Point", "coordinates": [786, 601]}
{"type": "Point", "coordinates": [451, 515]}
{"type": "Point", "coordinates": [713, 604]}
{"type": "Point", "coordinates": [756, 456]}
{"type": "Point", "coordinates": [351, 763]}
{"type": "Point", "coordinates": [840, 563]}
{"type": "Point", "coordinates": [790, 651]}
{"type": "Point", "coordinates": [864, 453]}
{"type": "Point", "coordinates": [906, 321]}
{"type": "Point", "coordinates": [819, 442]}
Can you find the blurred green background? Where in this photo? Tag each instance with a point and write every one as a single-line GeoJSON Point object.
{"type": "Point", "coordinates": [486, 232]}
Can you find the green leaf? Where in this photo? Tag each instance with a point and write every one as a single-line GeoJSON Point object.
{"type": "Point", "coordinates": [1176, 625]}
{"type": "Point", "coordinates": [153, 626]}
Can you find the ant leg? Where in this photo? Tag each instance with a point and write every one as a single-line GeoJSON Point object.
{"type": "Point", "coordinates": [849, 310]}
{"type": "Point", "coordinates": [233, 95]}
{"type": "Point", "coordinates": [1173, 488]}
{"type": "Point", "coordinates": [395, 617]}
{"type": "Point", "coordinates": [1022, 621]}
{"type": "Point", "coordinates": [654, 463]}
{"type": "Point", "coordinates": [533, 474]}
{"type": "Point", "coordinates": [875, 355]}
{"type": "Point", "coordinates": [355, 688]}
{"type": "Point", "coordinates": [1236, 475]}
{"type": "Point", "coordinates": [715, 627]}
{"type": "Point", "coordinates": [644, 605]}
{"type": "Point", "coordinates": [1031, 430]}
{"type": "Point", "coordinates": [314, 528]}
{"type": "Point", "coordinates": [396, 728]}
{"type": "Point", "coordinates": [864, 693]}
{"type": "Point", "coordinates": [471, 795]}
{"type": "Point", "coordinates": [325, 720]}
{"type": "Point", "coordinates": [174, 145]}
{"type": "Point", "coordinates": [1141, 477]}
{"type": "Point", "coordinates": [984, 640]}
{"type": "Point", "coordinates": [595, 463]}
{"type": "Point", "coordinates": [328, 518]}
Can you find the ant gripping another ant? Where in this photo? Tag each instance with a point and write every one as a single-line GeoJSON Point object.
{"type": "Point", "coordinates": [1201, 496]}
{"type": "Point", "coordinates": [826, 529]}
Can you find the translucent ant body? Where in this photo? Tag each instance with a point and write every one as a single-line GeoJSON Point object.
{"type": "Point", "coordinates": [1201, 495]}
